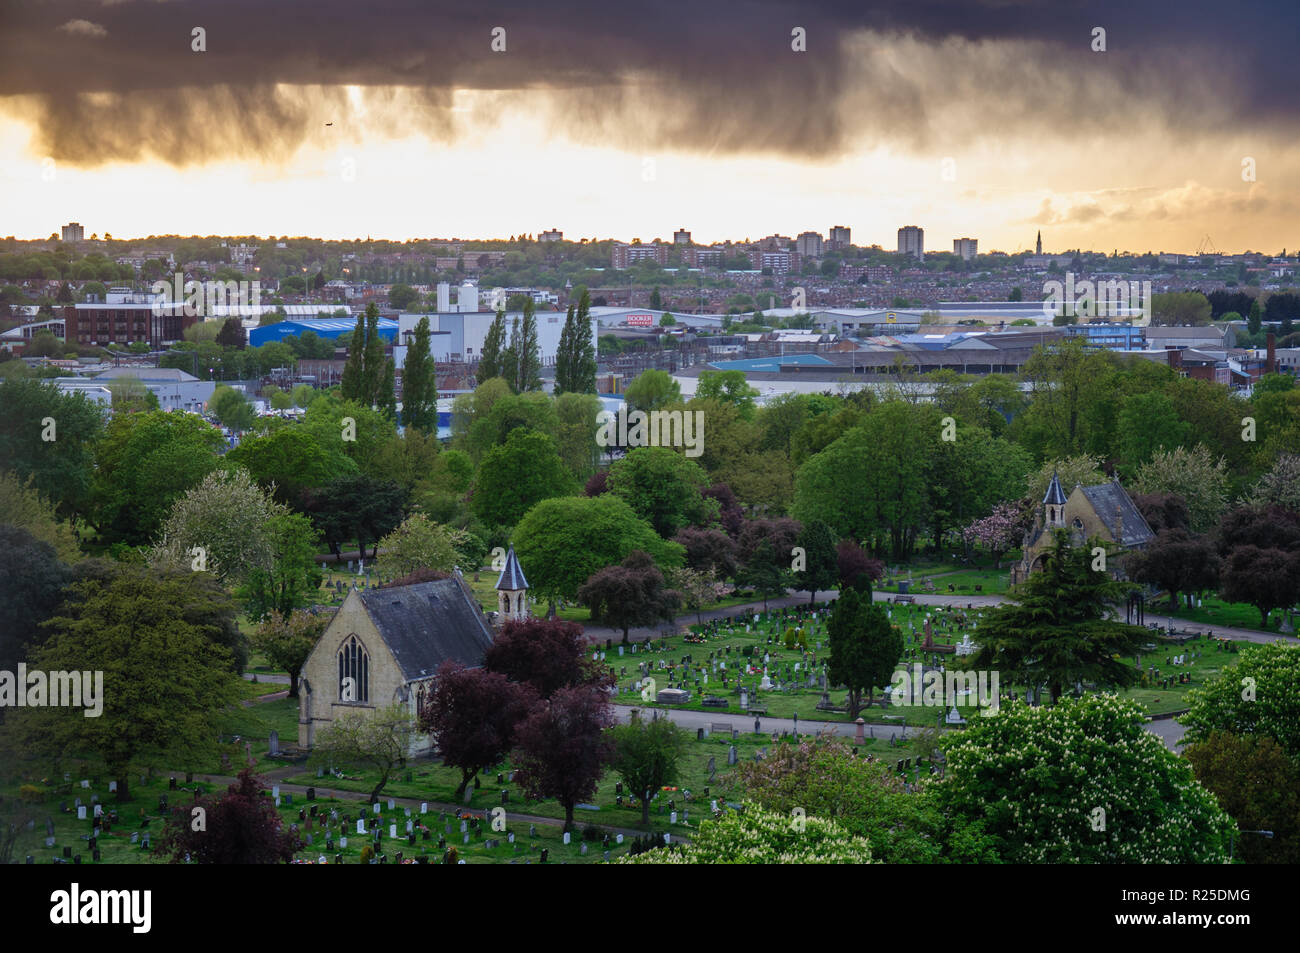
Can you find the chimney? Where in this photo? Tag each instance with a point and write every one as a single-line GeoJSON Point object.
{"type": "Point", "coordinates": [1270, 363]}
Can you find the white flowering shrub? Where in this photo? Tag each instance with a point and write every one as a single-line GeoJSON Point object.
{"type": "Point", "coordinates": [1081, 782]}
{"type": "Point", "coordinates": [756, 836]}
{"type": "Point", "coordinates": [1260, 695]}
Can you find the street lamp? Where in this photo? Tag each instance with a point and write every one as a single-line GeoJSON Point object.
{"type": "Point", "coordinates": [1233, 835]}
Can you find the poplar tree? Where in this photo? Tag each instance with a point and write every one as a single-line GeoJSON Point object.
{"type": "Point", "coordinates": [419, 393]}
{"type": "Point", "coordinates": [351, 387]}
{"type": "Point", "coordinates": [373, 359]}
{"type": "Point", "coordinates": [528, 352]}
{"type": "Point", "coordinates": [489, 365]}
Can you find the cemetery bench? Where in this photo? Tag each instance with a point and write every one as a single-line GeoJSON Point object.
{"type": "Point", "coordinates": [757, 711]}
{"type": "Point", "coordinates": [717, 727]}
{"type": "Point", "coordinates": [904, 600]}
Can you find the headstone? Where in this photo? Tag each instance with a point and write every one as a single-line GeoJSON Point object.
{"type": "Point", "coordinates": [275, 743]}
{"type": "Point", "coordinates": [566, 837]}
{"type": "Point", "coordinates": [361, 825]}
{"type": "Point", "coordinates": [112, 787]}
{"type": "Point", "coordinates": [81, 813]}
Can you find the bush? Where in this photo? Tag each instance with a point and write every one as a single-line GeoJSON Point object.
{"type": "Point", "coordinates": [593, 832]}
{"type": "Point", "coordinates": [31, 793]}
{"type": "Point", "coordinates": [367, 854]}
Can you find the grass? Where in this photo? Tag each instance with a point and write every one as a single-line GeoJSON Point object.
{"type": "Point", "coordinates": [1214, 611]}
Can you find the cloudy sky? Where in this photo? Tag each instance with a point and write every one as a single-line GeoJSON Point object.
{"type": "Point", "coordinates": [983, 118]}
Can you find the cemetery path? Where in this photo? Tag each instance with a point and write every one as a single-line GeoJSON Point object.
{"type": "Point", "coordinates": [275, 776]}
{"type": "Point", "coordinates": [1168, 730]}
{"type": "Point", "coordinates": [266, 677]}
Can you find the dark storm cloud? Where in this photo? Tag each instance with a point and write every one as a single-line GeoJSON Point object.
{"type": "Point", "coordinates": [107, 81]}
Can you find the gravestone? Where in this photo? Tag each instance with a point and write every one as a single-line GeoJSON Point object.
{"type": "Point", "coordinates": [275, 743]}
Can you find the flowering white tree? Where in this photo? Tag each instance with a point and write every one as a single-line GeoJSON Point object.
{"type": "Point", "coordinates": [227, 517]}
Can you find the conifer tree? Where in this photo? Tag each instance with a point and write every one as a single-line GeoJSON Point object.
{"type": "Point", "coordinates": [351, 387]}
{"type": "Point", "coordinates": [419, 392]}
{"type": "Point", "coordinates": [494, 343]}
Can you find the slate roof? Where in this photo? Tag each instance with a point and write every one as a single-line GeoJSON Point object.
{"type": "Point", "coordinates": [1055, 495]}
{"type": "Point", "coordinates": [512, 576]}
{"type": "Point", "coordinates": [1105, 499]}
{"type": "Point", "coordinates": [428, 623]}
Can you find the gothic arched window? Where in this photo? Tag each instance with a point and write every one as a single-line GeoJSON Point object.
{"type": "Point", "coordinates": [354, 672]}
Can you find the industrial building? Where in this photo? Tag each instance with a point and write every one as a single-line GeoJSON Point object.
{"type": "Point", "coordinates": [323, 327]}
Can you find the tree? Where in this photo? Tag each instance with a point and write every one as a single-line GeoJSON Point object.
{"type": "Point", "coordinates": [576, 430]}
{"type": "Point", "coordinates": [494, 342]}
{"type": "Point", "coordinates": [662, 487]}
{"type": "Point", "coordinates": [525, 361]}
{"type": "Point", "coordinates": [386, 396]}
{"type": "Point", "coordinates": [575, 357]}
{"type": "Point", "coordinates": [729, 387]}
{"type": "Point", "coordinates": [827, 780]}
{"type": "Point", "coordinates": [1177, 562]}
{"type": "Point", "coordinates": [1257, 697]}
{"type": "Point", "coordinates": [225, 516]}
{"type": "Point", "coordinates": [377, 741]}
{"type": "Point", "coordinates": [419, 390]}
{"type": "Point", "coordinates": [231, 334]}
{"type": "Point", "coordinates": [473, 715]}
{"type": "Point", "coordinates": [165, 678]}
{"type": "Point", "coordinates": [373, 361]}
{"type": "Point", "coordinates": [1081, 782]}
{"type": "Point", "coordinates": [697, 589]}
{"type": "Point", "coordinates": [1148, 424]}
{"type": "Point", "coordinates": [753, 835]}
{"type": "Point", "coordinates": [548, 654]}
{"type": "Point", "coordinates": [402, 296]}
{"type": "Point", "coordinates": [708, 550]}
{"type": "Point", "coordinates": [1260, 549]}
{"type": "Point", "coordinates": [289, 461]}
{"type": "Point", "coordinates": [652, 390]}
{"type": "Point", "coordinates": [355, 507]}
{"type": "Point", "coordinates": [61, 467]}
{"type": "Point", "coordinates": [1255, 322]}
{"type": "Point", "coordinates": [292, 576]}
{"type": "Point", "coordinates": [1057, 631]}
{"type": "Point", "coordinates": [145, 462]}
{"type": "Point", "coordinates": [998, 532]}
{"type": "Point", "coordinates": [647, 755]}
{"type": "Point", "coordinates": [821, 561]}
{"type": "Point", "coordinates": [766, 571]}
{"type": "Point", "coordinates": [1192, 474]}
{"type": "Point", "coordinates": [514, 478]}
{"type": "Point", "coordinates": [420, 543]}
{"type": "Point", "coordinates": [287, 640]}
{"type": "Point", "coordinates": [1082, 470]}
{"type": "Point", "coordinates": [232, 408]}
{"type": "Point", "coordinates": [562, 749]}
{"type": "Point", "coordinates": [34, 580]}
{"type": "Point", "coordinates": [563, 541]}
{"type": "Point", "coordinates": [630, 594]}
{"type": "Point", "coordinates": [130, 395]}
{"type": "Point", "coordinates": [241, 826]}
{"type": "Point", "coordinates": [1280, 486]}
{"type": "Point", "coordinates": [864, 647]}
{"type": "Point", "coordinates": [856, 569]}
{"type": "Point", "coordinates": [22, 506]}
{"type": "Point", "coordinates": [352, 386]}
{"type": "Point", "coordinates": [1254, 781]}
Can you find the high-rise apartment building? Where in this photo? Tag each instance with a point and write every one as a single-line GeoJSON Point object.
{"type": "Point", "coordinates": [809, 244]}
{"type": "Point", "coordinates": [911, 241]}
{"type": "Point", "coordinates": [839, 238]}
{"type": "Point", "coordinates": [967, 248]}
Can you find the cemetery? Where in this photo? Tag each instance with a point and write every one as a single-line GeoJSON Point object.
{"type": "Point", "coordinates": [749, 665]}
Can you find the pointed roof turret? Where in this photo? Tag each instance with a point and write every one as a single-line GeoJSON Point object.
{"type": "Point", "coordinates": [512, 576]}
{"type": "Point", "coordinates": [1055, 495]}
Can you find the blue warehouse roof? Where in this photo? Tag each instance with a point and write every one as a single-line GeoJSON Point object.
{"type": "Point", "coordinates": [323, 327]}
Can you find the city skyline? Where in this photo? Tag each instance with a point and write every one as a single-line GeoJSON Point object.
{"type": "Point", "coordinates": [969, 119]}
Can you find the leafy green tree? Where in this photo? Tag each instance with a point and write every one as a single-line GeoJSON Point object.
{"type": "Point", "coordinates": [373, 361]}
{"type": "Point", "coordinates": [1255, 323]}
{"type": "Point", "coordinates": [864, 647]}
{"type": "Point", "coordinates": [561, 542]}
{"type": "Point", "coordinates": [402, 296]}
{"type": "Point", "coordinates": [575, 358]}
{"type": "Point", "coordinates": [420, 543]}
{"type": "Point", "coordinates": [1257, 697]}
{"type": "Point", "coordinates": [489, 365]}
{"type": "Point", "coordinates": [22, 506]}
{"type": "Point", "coordinates": [729, 387]}
{"type": "Point", "coordinates": [821, 561]}
{"type": "Point", "coordinates": [1057, 631]}
{"type": "Point", "coordinates": [766, 570]}
{"type": "Point", "coordinates": [377, 741]}
{"type": "Point", "coordinates": [355, 507]}
{"type": "Point", "coordinates": [292, 576]}
{"type": "Point", "coordinates": [1254, 781]}
{"type": "Point", "coordinates": [145, 462]}
{"type": "Point", "coordinates": [652, 390]}
{"type": "Point", "coordinates": [353, 386]}
{"type": "Point", "coordinates": [232, 408]}
{"type": "Point", "coordinates": [291, 460]}
{"type": "Point", "coordinates": [34, 580]}
{"type": "Point", "coordinates": [1194, 475]}
{"type": "Point", "coordinates": [753, 835]}
{"type": "Point", "coordinates": [524, 347]}
{"type": "Point", "coordinates": [575, 433]}
{"type": "Point", "coordinates": [62, 466]}
{"type": "Point", "coordinates": [826, 779]}
{"type": "Point", "coordinates": [165, 683]}
{"type": "Point", "coordinates": [647, 756]}
{"type": "Point", "coordinates": [662, 486]}
{"type": "Point", "coordinates": [419, 388]}
{"type": "Point", "coordinates": [386, 396]}
{"type": "Point", "coordinates": [287, 640]}
{"type": "Point", "coordinates": [516, 476]}
{"type": "Point", "coordinates": [225, 517]}
{"type": "Point", "coordinates": [1081, 782]}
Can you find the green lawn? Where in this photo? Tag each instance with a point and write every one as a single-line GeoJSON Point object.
{"type": "Point", "coordinates": [1215, 611]}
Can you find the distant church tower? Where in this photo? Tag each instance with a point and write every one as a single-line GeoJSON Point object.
{"type": "Point", "coordinates": [1038, 248]}
{"type": "Point", "coordinates": [512, 590]}
{"type": "Point", "coordinates": [1054, 504]}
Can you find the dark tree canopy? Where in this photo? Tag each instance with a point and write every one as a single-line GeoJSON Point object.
{"type": "Point", "coordinates": [240, 826]}
{"type": "Point", "coordinates": [631, 594]}
{"type": "Point", "coordinates": [549, 654]}
{"type": "Point", "coordinates": [563, 748]}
